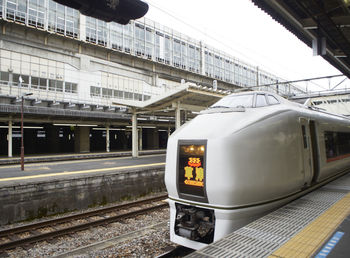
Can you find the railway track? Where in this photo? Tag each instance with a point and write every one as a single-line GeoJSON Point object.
{"type": "Point", "coordinates": [50, 229]}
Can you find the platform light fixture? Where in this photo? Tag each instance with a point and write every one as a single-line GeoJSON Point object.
{"type": "Point", "coordinates": [75, 125]}
{"type": "Point", "coordinates": [110, 129]}
{"type": "Point", "coordinates": [129, 126]}
{"type": "Point", "coordinates": [25, 127]}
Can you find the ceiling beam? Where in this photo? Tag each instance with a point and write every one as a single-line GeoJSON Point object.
{"type": "Point", "coordinates": [309, 23]}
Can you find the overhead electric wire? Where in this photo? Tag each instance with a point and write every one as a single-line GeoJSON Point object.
{"type": "Point", "coordinates": [205, 33]}
{"type": "Point", "coordinates": [223, 43]}
{"type": "Point", "coordinates": [302, 80]}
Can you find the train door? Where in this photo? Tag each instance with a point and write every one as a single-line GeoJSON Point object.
{"type": "Point", "coordinates": [314, 148]}
{"type": "Point", "coordinates": [306, 151]}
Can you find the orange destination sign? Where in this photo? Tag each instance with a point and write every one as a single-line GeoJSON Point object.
{"type": "Point", "coordinates": [194, 173]}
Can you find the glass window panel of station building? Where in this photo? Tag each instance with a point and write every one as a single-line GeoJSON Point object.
{"type": "Point", "coordinates": [72, 22]}
{"type": "Point", "coordinates": [116, 36]}
{"type": "Point", "coordinates": [63, 20]}
{"type": "Point", "coordinates": [139, 40]}
{"type": "Point", "coordinates": [176, 53]}
{"type": "Point", "coordinates": [163, 47]}
{"type": "Point", "coordinates": [168, 49]}
{"type": "Point", "coordinates": [13, 8]}
{"type": "Point", "coordinates": [228, 70]}
{"type": "Point", "coordinates": [192, 58]}
{"type": "Point", "coordinates": [91, 35]}
{"type": "Point", "coordinates": [239, 74]}
{"type": "Point", "coordinates": [149, 43]}
{"type": "Point", "coordinates": [36, 13]}
{"type": "Point", "coordinates": [251, 77]}
{"type": "Point", "coordinates": [159, 46]}
{"type": "Point", "coordinates": [208, 63]}
{"type": "Point", "coordinates": [218, 67]}
{"type": "Point", "coordinates": [128, 37]}
{"type": "Point", "coordinates": [102, 32]}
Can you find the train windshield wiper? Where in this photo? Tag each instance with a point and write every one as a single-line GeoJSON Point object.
{"type": "Point", "coordinates": [219, 107]}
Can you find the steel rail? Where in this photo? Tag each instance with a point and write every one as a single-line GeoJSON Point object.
{"type": "Point", "coordinates": [79, 227]}
{"type": "Point", "coordinates": [25, 228]}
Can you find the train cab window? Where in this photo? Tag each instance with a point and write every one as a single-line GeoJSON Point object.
{"type": "Point", "coordinates": [245, 101]}
{"type": "Point", "coordinates": [260, 100]}
{"type": "Point", "coordinates": [272, 100]}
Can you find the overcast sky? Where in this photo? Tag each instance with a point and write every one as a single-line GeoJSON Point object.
{"type": "Point", "coordinates": [241, 29]}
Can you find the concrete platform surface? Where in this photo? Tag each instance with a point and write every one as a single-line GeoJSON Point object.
{"type": "Point", "coordinates": [315, 225]}
{"type": "Point", "coordinates": [10, 174]}
{"type": "Point", "coordinates": [74, 156]}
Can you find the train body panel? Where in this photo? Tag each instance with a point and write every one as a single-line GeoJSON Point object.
{"type": "Point", "coordinates": [232, 164]}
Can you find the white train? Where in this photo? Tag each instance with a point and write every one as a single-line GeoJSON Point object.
{"type": "Point", "coordinates": [248, 154]}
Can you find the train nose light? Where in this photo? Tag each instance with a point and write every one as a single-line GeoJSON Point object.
{"type": "Point", "coordinates": [180, 215]}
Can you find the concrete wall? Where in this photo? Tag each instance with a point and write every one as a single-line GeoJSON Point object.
{"type": "Point", "coordinates": [28, 201]}
{"type": "Point", "coordinates": [81, 139]}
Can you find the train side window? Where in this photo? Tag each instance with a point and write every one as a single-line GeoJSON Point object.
{"type": "Point", "coordinates": [337, 144]}
{"type": "Point", "coordinates": [260, 100]}
{"type": "Point", "coordinates": [304, 136]}
{"type": "Point", "coordinates": [272, 100]}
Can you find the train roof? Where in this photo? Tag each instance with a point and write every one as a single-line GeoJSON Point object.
{"type": "Point", "coordinates": [240, 107]}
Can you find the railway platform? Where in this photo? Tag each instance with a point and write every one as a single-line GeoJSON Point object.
{"type": "Point", "coordinates": [51, 187]}
{"type": "Point", "coordinates": [74, 156]}
{"type": "Point", "coordinates": [315, 225]}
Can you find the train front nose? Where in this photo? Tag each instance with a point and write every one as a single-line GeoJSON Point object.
{"type": "Point", "coordinates": [193, 222]}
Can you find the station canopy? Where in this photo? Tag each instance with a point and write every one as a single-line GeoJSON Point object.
{"type": "Point", "coordinates": [187, 96]}
{"type": "Point", "coordinates": [323, 25]}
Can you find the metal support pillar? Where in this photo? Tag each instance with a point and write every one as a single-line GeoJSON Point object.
{"type": "Point", "coordinates": [9, 139]}
{"type": "Point", "coordinates": [22, 136]}
{"type": "Point", "coordinates": [107, 139]}
{"type": "Point", "coordinates": [135, 152]}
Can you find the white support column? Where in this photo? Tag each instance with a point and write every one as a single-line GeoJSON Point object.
{"type": "Point", "coordinates": [9, 139]}
{"type": "Point", "coordinates": [135, 152]}
{"type": "Point", "coordinates": [140, 139]}
{"type": "Point", "coordinates": [177, 116]}
{"type": "Point", "coordinates": [107, 139]}
{"type": "Point", "coordinates": [82, 27]}
{"type": "Point", "coordinates": [169, 132]}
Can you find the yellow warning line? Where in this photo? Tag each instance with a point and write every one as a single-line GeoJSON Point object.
{"type": "Point", "coordinates": [310, 239]}
{"type": "Point", "coordinates": [80, 172]}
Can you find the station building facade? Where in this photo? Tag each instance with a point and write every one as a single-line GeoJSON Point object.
{"type": "Point", "coordinates": [77, 68]}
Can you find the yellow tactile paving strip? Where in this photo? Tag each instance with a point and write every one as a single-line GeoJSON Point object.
{"type": "Point", "coordinates": [310, 239]}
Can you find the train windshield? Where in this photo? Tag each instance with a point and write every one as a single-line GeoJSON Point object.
{"type": "Point", "coordinates": [245, 101]}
